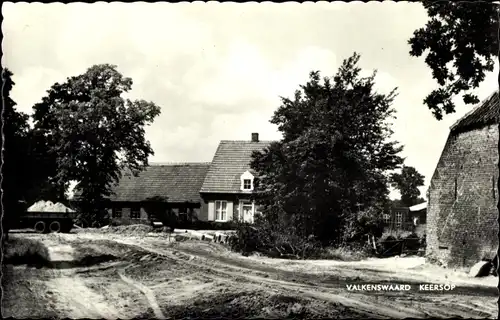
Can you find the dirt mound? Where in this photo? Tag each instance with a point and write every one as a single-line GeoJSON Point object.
{"type": "Point", "coordinates": [48, 206]}
{"type": "Point", "coordinates": [133, 229]}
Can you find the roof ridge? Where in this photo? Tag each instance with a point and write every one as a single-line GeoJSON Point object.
{"type": "Point", "coordinates": [159, 164]}
{"type": "Point", "coordinates": [248, 141]}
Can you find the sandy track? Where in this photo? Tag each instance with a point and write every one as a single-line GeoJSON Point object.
{"type": "Point", "coordinates": [161, 280]}
{"type": "Point", "coordinates": [147, 292]}
{"type": "Point", "coordinates": [392, 305]}
{"type": "Point", "coordinates": [79, 302]}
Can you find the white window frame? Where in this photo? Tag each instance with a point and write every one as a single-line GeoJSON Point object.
{"type": "Point", "coordinates": [399, 219]}
{"type": "Point", "coordinates": [136, 210]}
{"type": "Point", "coordinates": [220, 215]}
{"type": "Point", "coordinates": [246, 203]}
{"type": "Point", "coordinates": [387, 218]}
{"type": "Point", "coordinates": [246, 176]}
{"type": "Point", "coordinates": [249, 184]}
{"type": "Point", "coordinates": [114, 212]}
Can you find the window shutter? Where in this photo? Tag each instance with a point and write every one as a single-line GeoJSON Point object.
{"type": "Point", "coordinates": [230, 210]}
{"type": "Point", "coordinates": [211, 211]}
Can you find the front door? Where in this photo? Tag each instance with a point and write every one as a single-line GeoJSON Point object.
{"type": "Point", "coordinates": [247, 209]}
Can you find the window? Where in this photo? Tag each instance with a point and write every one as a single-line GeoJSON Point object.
{"type": "Point", "coordinates": [116, 213]}
{"type": "Point", "coordinates": [247, 184]}
{"type": "Point", "coordinates": [183, 214]}
{"type": "Point", "coordinates": [387, 218]}
{"type": "Point", "coordinates": [247, 210]}
{"type": "Point", "coordinates": [220, 210]}
{"type": "Point", "coordinates": [399, 219]}
{"type": "Point", "coordinates": [135, 213]}
{"type": "Point", "coordinates": [246, 181]}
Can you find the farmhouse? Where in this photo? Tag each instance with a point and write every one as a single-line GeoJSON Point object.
{"type": "Point", "coordinates": [407, 219]}
{"type": "Point", "coordinates": [462, 200]}
{"type": "Point", "coordinates": [228, 186]}
{"type": "Point", "coordinates": [157, 191]}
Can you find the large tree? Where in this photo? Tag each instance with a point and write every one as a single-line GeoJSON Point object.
{"type": "Point", "coordinates": [26, 168]}
{"type": "Point", "coordinates": [407, 183]}
{"type": "Point", "coordinates": [94, 133]}
{"type": "Point", "coordinates": [15, 165]}
{"type": "Point", "coordinates": [334, 155]}
{"type": "Point", "coordinates": [461, 42]}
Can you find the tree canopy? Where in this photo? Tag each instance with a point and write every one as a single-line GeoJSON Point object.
{"type": "Point", "coordinates": [461, 42]}
{"type": "Point", "coordinates": [408, 182]}
{"type": "Point", "coordinates": [334, 155]}
{"type": "Point", "coordinates": [92, 133]}
{"type": "Point", "coordinates": [15, 161]}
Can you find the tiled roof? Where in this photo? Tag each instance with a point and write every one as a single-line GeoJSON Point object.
{"type": "Point", "coordinates": [485, 113]}
{"type": "Point", "coordinates": [230, 161]}
{"type": "Point", "coordinates": [175, 183]}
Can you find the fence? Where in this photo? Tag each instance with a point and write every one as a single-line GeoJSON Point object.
{"type": "Point", "coordinates": [407, 246]}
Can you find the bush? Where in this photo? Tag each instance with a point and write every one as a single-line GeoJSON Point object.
{"type": "Point", "coordinates": [363, 224]}
{"type": "Point", "coordinates": [247, 240]}
{"type": "Point", "coordinates": [26, 251]}
{"type": "Point", "coordinates": [206, 225]}
{"type": "Point", "coordinates": [345, 253]}
{"type": "Point", "coordinates": [272, 241]}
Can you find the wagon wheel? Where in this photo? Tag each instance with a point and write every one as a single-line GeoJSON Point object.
{"type": "Point", "coordinates": [55, 226]}
{"type": "Point", "coordinates": [39, 227]}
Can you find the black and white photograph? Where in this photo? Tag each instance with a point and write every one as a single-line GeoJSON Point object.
{"type": "Point", "coordinates": [223, 160]}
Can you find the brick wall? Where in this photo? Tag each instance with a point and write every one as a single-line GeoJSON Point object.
{"type": "Point", "coordinates": [462, 214]}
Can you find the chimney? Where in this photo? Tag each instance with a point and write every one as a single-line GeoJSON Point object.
{"type": "Point", "coordinates": [255, 137]}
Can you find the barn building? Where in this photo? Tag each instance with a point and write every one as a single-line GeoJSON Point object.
{"type": "Point", "coordinates": [158, 191]}
{"type": "Point", "coordinates": [462, 210]}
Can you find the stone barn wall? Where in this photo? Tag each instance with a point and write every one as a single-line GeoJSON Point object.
{"type": "Point", "coordinates": [462, 215]}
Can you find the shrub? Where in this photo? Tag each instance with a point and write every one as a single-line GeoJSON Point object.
{"type": "Point", "coordinates": [273, 240]}
{"type": "Point", "coordinates": [206, 225]}
{"type": "Point", "coordinates": [362, 224]}
{"type": "Point", "coordinates": [345, 253]}
{"type": "Point", "coordinates": [25, 251]}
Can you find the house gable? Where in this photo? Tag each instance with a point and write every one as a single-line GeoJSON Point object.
{"type": "Point", "coordinates": [231, 161]}
{"type": "Point", "coordinates": [462, 213]}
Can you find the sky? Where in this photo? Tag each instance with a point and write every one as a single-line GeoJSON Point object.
{"type": "Point", "coordinates": [218, 70]}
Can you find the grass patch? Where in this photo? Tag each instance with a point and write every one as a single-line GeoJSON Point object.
{"type": "Point", "coordinates": [343, 254]}
{"type": "Point", "coordinates": [25, 251]}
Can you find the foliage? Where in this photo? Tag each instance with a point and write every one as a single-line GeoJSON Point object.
{"type": "Point", "coordinates": [333, 158]}
{"type": "Point", "coordinates": [461, 39]}
{"type": "Point", "coordinates": [407, 182]}
{"type": "Point", "coordinates": [24, 176]}
{"type": "Point", "coordinates": [275, 240]}
{"type": "Point", "coordinates": [25, 251]}
{"type": "Point", "coordinates": [15, 130]}
{"type": "Point", "coordinates": [93, 133]}
{"type": "Point", "coordinates": [364, 223]}
{"type": "Point", "coordinates": [346, 253]}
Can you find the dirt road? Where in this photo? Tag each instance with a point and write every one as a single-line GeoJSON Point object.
{"type": "Point", "coordinates": [118, 276]}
